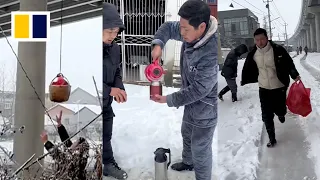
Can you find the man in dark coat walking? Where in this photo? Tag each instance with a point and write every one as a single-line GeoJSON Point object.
{"type": "Point", "coordinates": [230, 71]}
{"type": "Point", "coordinates": [306, 50]}
{"type": "Point", "coordinates": [270, 65]}
{"type": "Point", "coordinates": [112, 86]}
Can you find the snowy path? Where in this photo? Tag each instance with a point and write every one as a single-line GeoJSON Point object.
{"type": "Point", "coordinates": [311, 124]}
{"type": "Point", "coordinates": [239, 134]}
{"type": "Point", "coordinates": [290, 159]}
{"type": "Point", "coordinates": [313, 60]}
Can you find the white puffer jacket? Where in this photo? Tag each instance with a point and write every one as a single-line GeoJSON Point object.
{"type": "Point", "coordinates": [267, 78]}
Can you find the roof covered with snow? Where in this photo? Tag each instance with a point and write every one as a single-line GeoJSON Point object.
{"type": "Point", "coordinates": [48, 122]}
{"type": "Point", "coordinates": [78, 107]}
{"type": "Point", "coordinates": [4, 120]}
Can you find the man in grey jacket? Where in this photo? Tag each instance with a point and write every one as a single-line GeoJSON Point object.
{"type": "Point", "coordinates": [198, 94]}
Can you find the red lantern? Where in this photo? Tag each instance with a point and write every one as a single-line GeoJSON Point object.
{"type": "Point", "coordinates": [59, 89]}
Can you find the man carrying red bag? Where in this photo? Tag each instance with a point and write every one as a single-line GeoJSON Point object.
{"type": "Point", "coordinates": [271, 66]}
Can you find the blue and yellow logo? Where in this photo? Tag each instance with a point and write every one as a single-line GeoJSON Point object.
{"type": "Point", "coordinates": [32, 26]}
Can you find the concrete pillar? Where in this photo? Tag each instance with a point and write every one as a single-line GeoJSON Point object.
{"type": "Point", "coordinates": [304, 39]}
{"type": "Point", "coordinates": [28, 109]}
{"type": "Point", "coordinates": [317, 24]}
{"type": "Point", "coordinates": [312, 36]}
{"type": "Point", "coordinates": [300, 39]}
{"type": "Point", "coordinates": [308, 38]}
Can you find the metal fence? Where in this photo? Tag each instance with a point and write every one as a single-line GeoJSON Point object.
{"type": "Point", "coordinates": [142, 18]}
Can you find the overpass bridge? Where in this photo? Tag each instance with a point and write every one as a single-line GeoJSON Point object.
{"type": "Point", "coordinates": [307, 32]}
{"type": "Point", "coordinates": [72, 10]}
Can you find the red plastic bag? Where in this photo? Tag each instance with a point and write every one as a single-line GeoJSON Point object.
{"type": "Point", "coordinates": [298, 100]}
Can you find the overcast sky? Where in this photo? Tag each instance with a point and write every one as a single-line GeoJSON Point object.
{"type": "Point", "coordinates": [81, 55]}
{"type": "Point", "coordinates": [287, 10]}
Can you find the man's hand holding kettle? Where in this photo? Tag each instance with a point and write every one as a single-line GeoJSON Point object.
{"type": "Point", "coordinates": [156, 52]}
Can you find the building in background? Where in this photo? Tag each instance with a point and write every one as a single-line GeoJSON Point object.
{"type": "Point", "coordinates": [76, 116]}
{"type": "Point", "coordinates": [237, 27]}
{"type": "Point", "coordinates": [7, 103]}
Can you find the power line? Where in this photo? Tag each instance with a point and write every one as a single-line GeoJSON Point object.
{"type": "Point", "coordinates": [286, 34]}
{"type": "Point", "coordinates": [273, 22]}
{"type": "Point", "coordinates": [247, 8]}
{"type": "Point", "coordinates": [279, 26]}
{"type": "Point", "coordinates": [275, 6]}
{"type": "Point", "coordinates": [269, 16]}
{"type": "Point", "coordinates": [255, 7]}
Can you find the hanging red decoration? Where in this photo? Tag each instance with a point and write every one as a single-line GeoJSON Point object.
{"type": "Point", "coordinates": [59, 89]}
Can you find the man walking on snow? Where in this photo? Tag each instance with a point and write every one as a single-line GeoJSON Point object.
{"type": "Point", "coordinates": [198, 94]}
{"type": "Point", "coordinates": [112, 86]}
{"type": "Point", "coordinates": [270, 65]}
{"type": "Point", "coordinates": [230, 71]}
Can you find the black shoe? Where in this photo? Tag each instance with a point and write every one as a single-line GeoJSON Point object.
{"type": "Point", "coordinates": [220, 96]}
{"type": "Point", "coordinates": [282, 119]}
{"type": "Point", "coordinates": [222, 92]}
{"type": "Point", "coordinates": [271, 143]}
{"type": "Point", "coordinates": [114, 171]}
{"type": "Point", "coordinates": [234, 97]}
{"type": "Point", "coordinates": [181, 167]}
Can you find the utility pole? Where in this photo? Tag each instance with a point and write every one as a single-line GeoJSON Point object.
{"type": "Point", "coordinates": [286, 34]}
{"type": "Point", "coordinates": [269, 17]}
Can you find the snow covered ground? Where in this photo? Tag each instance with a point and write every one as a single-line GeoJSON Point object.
{"type": "Point", "coordinates": [311, 123]}
{"type": "Point", "coordinates": [141, 126]}
{"type": "Point", "coordinates": [313, 59]}
{"type": "Point", "coordinates": [240, 128]}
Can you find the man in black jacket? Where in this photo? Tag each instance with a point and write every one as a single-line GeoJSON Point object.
{"type": "Point", "coordinates": [270, 65]}
{"type": "Point", "coordinates": [230, 71]}
{"type": "Point", "coordinates": [112, 85]}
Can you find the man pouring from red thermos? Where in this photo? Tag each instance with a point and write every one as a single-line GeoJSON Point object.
{"type": "Point", "coordinates": [198, 94]}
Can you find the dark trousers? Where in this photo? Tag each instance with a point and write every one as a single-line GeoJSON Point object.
{"type": "Point", "coordinates": [107, 153]}
{"type": "Point", "coordinates": [273, 102]}
{"type": "Point", "coordinates": [232, 84]}
{"type": "Point", "coordinates": [197, 148]}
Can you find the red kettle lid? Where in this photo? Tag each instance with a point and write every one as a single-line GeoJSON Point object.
{"type": "Point", "coordinates": [154, 71]}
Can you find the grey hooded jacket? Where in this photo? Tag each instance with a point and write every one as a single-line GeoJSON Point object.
{"type": "Point", "coordinates": [199, 69]}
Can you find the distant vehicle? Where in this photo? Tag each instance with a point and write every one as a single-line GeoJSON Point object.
{"type": "Point", "coordinates": [289, 48]}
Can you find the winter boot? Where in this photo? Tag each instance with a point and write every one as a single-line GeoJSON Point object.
{"type": "Point", "coordinates": [282, 119]}
{"type": "Point", "coordinates": [181, 167]}
{"type": "Point", "coordinates": [272, 137]}
{"type": "Point", "coordinates": [114, 171]}
{"type": "Point", "coordinates": [272, 143]}
{"type": "Point", "coordinates": [222, 92]}
{"type": "Point", "coordinates": [234, 97]}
